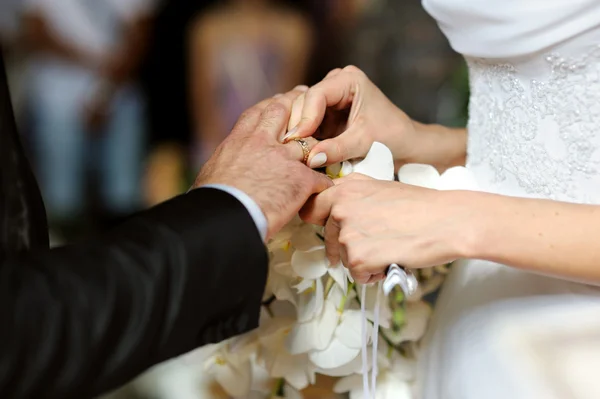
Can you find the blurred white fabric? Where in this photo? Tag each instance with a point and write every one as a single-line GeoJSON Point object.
{"type": "Point", "coordinates": [534, 131]}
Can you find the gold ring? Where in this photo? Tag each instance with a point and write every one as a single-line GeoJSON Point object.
{"type": "Point", "coordinates": [305, 149]}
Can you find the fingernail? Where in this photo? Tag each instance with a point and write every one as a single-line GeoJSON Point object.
{"type": "Point", "coordinates": [318, 160]}
{"type": "Point", "coordinates": [277, 95]}
{"type": "Point", "coordinates": [290, 134]}
{"type": "Point", "coordinates": [301, 88]}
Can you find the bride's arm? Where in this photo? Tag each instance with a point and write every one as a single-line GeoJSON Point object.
{"type": "Point", "coordinates": [440, 146]}
{"type": "Point", "coordinates": [549, 237]}
{"type": "Point", "coordinates": [372, 223]}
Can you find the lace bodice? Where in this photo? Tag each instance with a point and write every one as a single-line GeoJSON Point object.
{"type": "Point", "coordinates": [534, 123]}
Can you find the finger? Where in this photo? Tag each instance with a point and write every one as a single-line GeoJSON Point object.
{"type": "Point", "coordinates": [349, 145]}
{"type": "Point", "coordinates": [332, 73]}
{"type": "Point", "coordinates": [250, 117]}
{"type": "Point", "coordinates": [296, 92]}
{"type": "Point", "coordinates": [273, 120]}
{"type": "Point", "coordinates": [321, 182]}
{"type": "Point", "coordinates": [296, 113]}
{"type": "Point", "coordinates": [332, 243]}
{"type": "Point", "coordinates": [352, 177]}
{"type": "Point", "coordinates": [375, 278]}
{"type": "Point", "coordinates": [335, 92]}
{"type": "Point", "coordinates": [318, 208]}
{"type": "Point", "coordinates": [295, 148]}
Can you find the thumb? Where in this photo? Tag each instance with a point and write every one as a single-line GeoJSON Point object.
{"type": "Point", "coordinates": [321, 182]}
{"type": "Point", "coordinates": [348, 145]}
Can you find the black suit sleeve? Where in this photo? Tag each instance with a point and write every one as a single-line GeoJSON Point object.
{"type": "Point", "coordinates": [81, 320]}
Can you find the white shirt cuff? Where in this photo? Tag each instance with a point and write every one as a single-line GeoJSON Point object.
{"type": "Point", "coordinates": [253, 209]}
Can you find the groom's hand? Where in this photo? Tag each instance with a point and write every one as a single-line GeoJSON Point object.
{"type": "Point", "coordinates": [253, 160]}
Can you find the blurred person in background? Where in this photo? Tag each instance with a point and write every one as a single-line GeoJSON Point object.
{"type": "Point", "coordinates": [236, 52]}
{"type": "Point", "coordinates": [240, 52]}
{"type": "Point", "coordinates": [86, 110]}
{"type": "Point", "coordinates": [165, 79]}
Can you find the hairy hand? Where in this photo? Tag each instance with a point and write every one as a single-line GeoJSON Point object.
{"type": "Point", "coordinates": [253, 160]}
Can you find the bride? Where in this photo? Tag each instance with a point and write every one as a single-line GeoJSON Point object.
{"type": "Point", "coordinates": [519, 319]}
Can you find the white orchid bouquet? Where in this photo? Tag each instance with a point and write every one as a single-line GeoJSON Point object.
{"type": "Point", "coordinates": [312, 322]}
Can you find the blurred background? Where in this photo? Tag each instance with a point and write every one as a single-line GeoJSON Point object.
{"type": "Point", "coordinates": [121, 101]}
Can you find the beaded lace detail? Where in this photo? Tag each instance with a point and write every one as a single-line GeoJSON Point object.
{"type": "Point", "coordinates": [537, 138]}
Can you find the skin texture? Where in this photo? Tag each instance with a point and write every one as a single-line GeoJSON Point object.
{"type": "Point", "coordinates": [253, 160]}
{"type": "Point", "coordinates": [370, 224]}
{"type": "Point", "coordinates": [350, 113]}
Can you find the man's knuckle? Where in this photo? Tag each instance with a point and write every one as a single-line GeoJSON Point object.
{"type": "Point", "coordinates": [277, 109]}
{"type": "Point", "coordinates": [338, 212]}
{"type": "Point", "coordinates": [353, 69]}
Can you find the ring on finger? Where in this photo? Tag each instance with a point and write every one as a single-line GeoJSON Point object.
{"type": "Point", "coordinates": [305, 149]}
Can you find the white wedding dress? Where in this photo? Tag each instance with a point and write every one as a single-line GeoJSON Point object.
{"type": "Point", "coordinates": [534, 131]}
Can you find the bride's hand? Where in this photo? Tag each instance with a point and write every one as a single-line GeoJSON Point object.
{"type": "Point", "coordinates": [371, 224]}
{"type": "Point", "coordinates": [350, 113]}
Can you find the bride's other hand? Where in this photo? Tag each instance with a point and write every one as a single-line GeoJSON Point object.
{"type": "Point", "coordinates": [370, 224]}
{"type": "Point", "coordinates": [349, 113]}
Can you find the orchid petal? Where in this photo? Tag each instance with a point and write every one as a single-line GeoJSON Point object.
{"type": "Point", "coordinates": [339, 275]}
{"type": "Point", "coordinates": [336, 295]}
{"type": "Point", "coordinates": [416, 316]}
{"type": "Point", "coordinates": [393, 389]}
{"type": "Point", "coordinates": [403, 369]}
{"type": "Point", "coordinates": [298, 371]}
{"type": "Point", "coordinates": [349, 332]}
{"type": "Point", "coordinates": [261, 380]}
{"type": "Point", "coordinates": [336, 355]}
{"type": "Point", "coordinates": [236, 381]}
{"type": "Point", "coordinates": [378, 164]}
{"type": "Point", "coordinates": [310, 304]}
{"type": "Point", "coordinates": [333, 171]}
{"type": "Point", "coordinates": [310, 264]}
{"type": "Point", "coordinates": [304, 285]}
{"type": "Point", "coordinates": [280, 287]}
{"type": "Point", "coordinates": [317, 334]}
{"type": "Point", "coordinates": [348, 384]}
{"type": "Point", "coordinates": [346, 169]}
{"type": "Point", "coordinates": [305, 239]}
{"type": "Point", "coordinates": [353, 367]}
{"type": "Point", "coordinates": [419, 175]}
{"type": "Point", "coordinates": [457, 178]}
{"type": "Point", "coordinates": [291, 393]}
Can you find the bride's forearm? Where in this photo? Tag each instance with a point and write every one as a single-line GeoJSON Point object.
{"type": "Point", "coordinates": [542, 236]}
{"type": "Point", "coordinates": [440, 146]}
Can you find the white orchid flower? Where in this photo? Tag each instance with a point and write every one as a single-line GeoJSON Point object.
{"type": "Point", "coordinates": [456, 178]}
{"type": "Point", "coordinates": [394, 380]}
{"type": "Point", "coordinates": [176, 378]}
{"type": "Point", "coordinates": [378, 164]}
{"type": "Point", "coordinates": [416, 318]}
{"type": "Point", "coordinates": [315, 334]}
{"type": "Point", "coordinates": [231, 364]}
{"type": "Point", "coordinates": [234, 377]}
{"type": "Point", "coordinates": [345, 345]}
{"type": "Point", "coordinates": [278, 361]}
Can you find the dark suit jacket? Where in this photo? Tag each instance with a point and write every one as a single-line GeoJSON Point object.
{"type": "Point", "coordinates": [81, 320]}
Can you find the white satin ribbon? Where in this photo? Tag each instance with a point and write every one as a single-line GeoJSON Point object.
{"type": "Point", "coordinates": [396, 276]}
